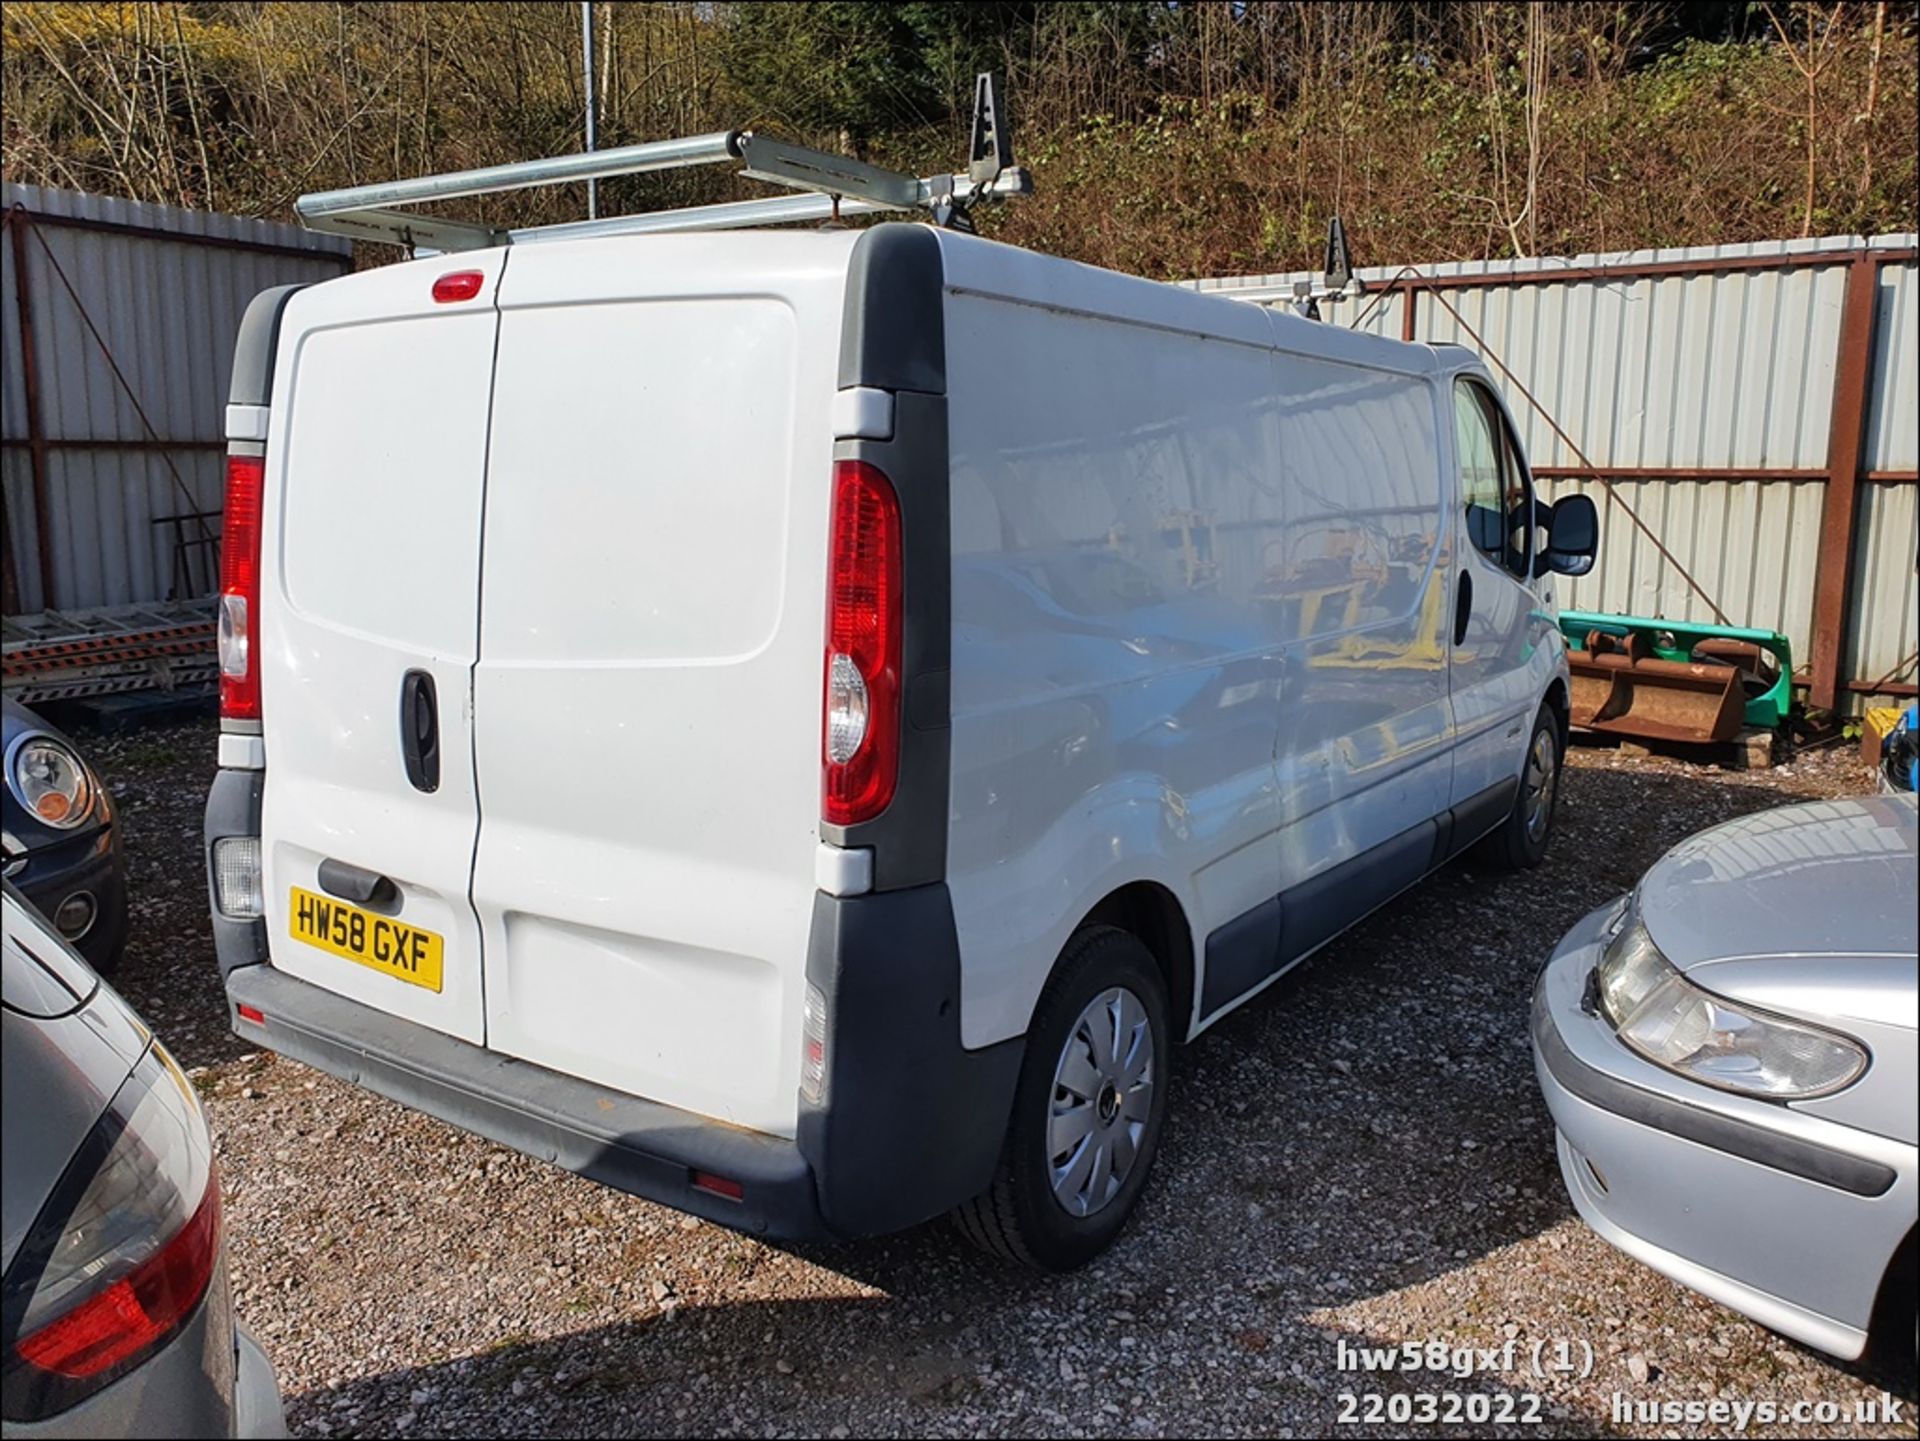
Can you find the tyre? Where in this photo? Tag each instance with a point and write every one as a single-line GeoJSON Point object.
{"type": "Point", "coordinates": [1521, 841]}
{"type": "Point", "coordinates": [1087, 1111]}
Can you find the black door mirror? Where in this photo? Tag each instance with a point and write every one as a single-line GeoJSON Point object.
{"type": "Point", "coordinates": [1573, 535]}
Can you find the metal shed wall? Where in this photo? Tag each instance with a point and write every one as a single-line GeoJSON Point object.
{"type": "Point", "coordinates": [166, 289]}
{"type": "Point", "coordinates": [1703, 384]}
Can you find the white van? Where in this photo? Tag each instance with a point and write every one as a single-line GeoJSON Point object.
{"type": "Point", "coordinates": [796, 725]}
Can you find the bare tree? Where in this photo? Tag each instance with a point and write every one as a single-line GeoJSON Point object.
{"type": "Point", "coordinates": [1823, 33]}
{"type": "Point", "coordinates": [1873, 99]}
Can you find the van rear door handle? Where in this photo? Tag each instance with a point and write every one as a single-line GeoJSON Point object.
{"type": "Point", "coordinates": [356, 883]}
{"type": "Point", "coordinates": [1463, 609]}
{"type": "Point", "coordinates": [420, 730]}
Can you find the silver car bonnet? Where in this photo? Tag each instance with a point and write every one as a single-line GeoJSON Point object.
{"type": "Point", "coordinates": [1788, 904]}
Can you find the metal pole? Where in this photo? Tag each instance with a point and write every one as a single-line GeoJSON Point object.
{"type": "Point", "coordinates": [1839, 511]}
{"type": "Point", "coordinates": [586, 51]}
{"type": "Point", "coordinates": [36, 431]}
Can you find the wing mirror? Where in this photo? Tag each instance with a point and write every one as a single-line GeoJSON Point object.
{"type": "Point", "coordinates": [1573, 535]}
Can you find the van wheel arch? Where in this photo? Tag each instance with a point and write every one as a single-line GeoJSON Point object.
{"type": "Point", "coordinates": [1153, 915]}
{"type": "Point", "coordinates": [1556, 701]}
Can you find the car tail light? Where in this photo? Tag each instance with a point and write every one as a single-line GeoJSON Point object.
{"type": "Point", "coordinates": [240, 589]}
{"type": "Point", "coordinates": [860, 743]}
{"type": "Point", "coordinates": [121, 1254]}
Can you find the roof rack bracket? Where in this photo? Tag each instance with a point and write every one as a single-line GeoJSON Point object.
{"type": "Point", "coordinates": [839, 185]}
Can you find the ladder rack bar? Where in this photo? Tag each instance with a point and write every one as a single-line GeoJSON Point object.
{"type": "Point", "coordinates": [776, 210]}
{"type": "Point", "coordinates": [830, 185]}
{"type": "Point", "coordinates": [594, 164]}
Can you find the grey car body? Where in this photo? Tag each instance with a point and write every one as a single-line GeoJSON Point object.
{"type": "Point", "coordinates": [78, 863]}
{"type": "Point", "coordinates": [1795, 1209]}
{"type": "Point", "coordinates": [68, 1046]}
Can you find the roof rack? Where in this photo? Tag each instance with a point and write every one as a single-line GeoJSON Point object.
{"type": "Point", "coordinates": [835, 185]}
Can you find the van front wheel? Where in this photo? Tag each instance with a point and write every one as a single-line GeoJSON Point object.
{"type": "Point", "coordinates": [1521, 841]}
{"type": "Point", "coordinates": [1087, 1112]}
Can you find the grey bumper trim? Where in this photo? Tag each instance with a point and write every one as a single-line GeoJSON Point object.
{"type": "Point", "coordinates": [1791, 1154]}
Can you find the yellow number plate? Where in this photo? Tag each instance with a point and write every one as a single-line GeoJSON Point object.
{"type": "Point", "coordinates": [392, 947]}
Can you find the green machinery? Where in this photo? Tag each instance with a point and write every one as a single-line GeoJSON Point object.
{"type": "Point", "coordinates": [1675, 680]}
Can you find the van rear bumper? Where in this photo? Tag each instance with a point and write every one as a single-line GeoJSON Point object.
{"type": "Point", "coordinates": [911, 1123]}
{"type": "Point", "coordinates": [607, 1136]}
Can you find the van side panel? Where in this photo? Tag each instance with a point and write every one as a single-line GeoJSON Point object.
{"type": "Point", "coordinates": [1355, 584]}
{"type": "Point", "coordinates": [1113, 694]}
{"type": "Point", "coordinates": [647, 698]}
{"type": "Point", "coordinates": [376, 455]}
{"type": "Point", "coordinates": [1200, 618]}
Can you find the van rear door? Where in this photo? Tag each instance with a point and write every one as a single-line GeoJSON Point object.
{"type": "Point", "coordinates": [647, 700]}
{"type": "Point", "coordinates": [376, 461]}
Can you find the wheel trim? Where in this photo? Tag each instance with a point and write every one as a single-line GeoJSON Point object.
{"type": "Point", "coordinates": [1101, 1101]}
{"type": "Point", "coordinates": [1541, 781]}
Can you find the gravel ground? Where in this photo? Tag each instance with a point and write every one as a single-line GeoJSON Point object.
{"type": "Point", "coordinates": [1360, 1155]}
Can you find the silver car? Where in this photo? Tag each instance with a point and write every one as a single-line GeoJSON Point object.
{"type": "Point", "coordinates": [1729, 1057]}
{"type": "Point", "coordinates": [115, 1316]}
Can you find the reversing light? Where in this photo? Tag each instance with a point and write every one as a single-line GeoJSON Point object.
{"type": "Point", "coordinates": [237, 887]}
{"type": "Point", "coordinates": [813, 1055]}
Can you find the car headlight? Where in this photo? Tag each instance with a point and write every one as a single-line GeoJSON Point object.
{"type": "Point", "coordinates": [52, 782]}
{"type": "Point", "coordinates": [1665, 1017]}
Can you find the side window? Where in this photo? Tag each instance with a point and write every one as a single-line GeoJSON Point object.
{"type": "Point", "coordinates": [1493, 484]}
{"type": "Point", "coordinates": [1482, 486]}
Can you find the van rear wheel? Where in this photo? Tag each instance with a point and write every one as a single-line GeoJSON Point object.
{"type": "Point", "coordinates": [1087, 1112]}
{"type": "Point", "coordinates": [1521, 841]}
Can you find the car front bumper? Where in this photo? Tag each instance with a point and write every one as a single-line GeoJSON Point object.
{"type": "Point", "coordinates": [1784, 1216]}
{"type": "Point", "coordinates": [88, 863]}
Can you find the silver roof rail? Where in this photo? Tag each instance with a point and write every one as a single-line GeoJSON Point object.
{"type": "Point", "coordinates": [837, 184]}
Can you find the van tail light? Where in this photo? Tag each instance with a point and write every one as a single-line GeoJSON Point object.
{"type": "Point", "coordinates": [860, 742]}
{"type": "Point", "coordinates": [240, 589]}
{"type": "Point", "coordinates": [121, 1254]}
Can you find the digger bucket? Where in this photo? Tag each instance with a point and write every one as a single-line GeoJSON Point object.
{"type": "Point", "coordinates": [1620, 687]}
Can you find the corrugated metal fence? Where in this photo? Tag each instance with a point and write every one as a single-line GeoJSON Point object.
{"type": "Point", "coordinates": [1757, 405]}
{"type": "Point", "coordinates": [114, 392]}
